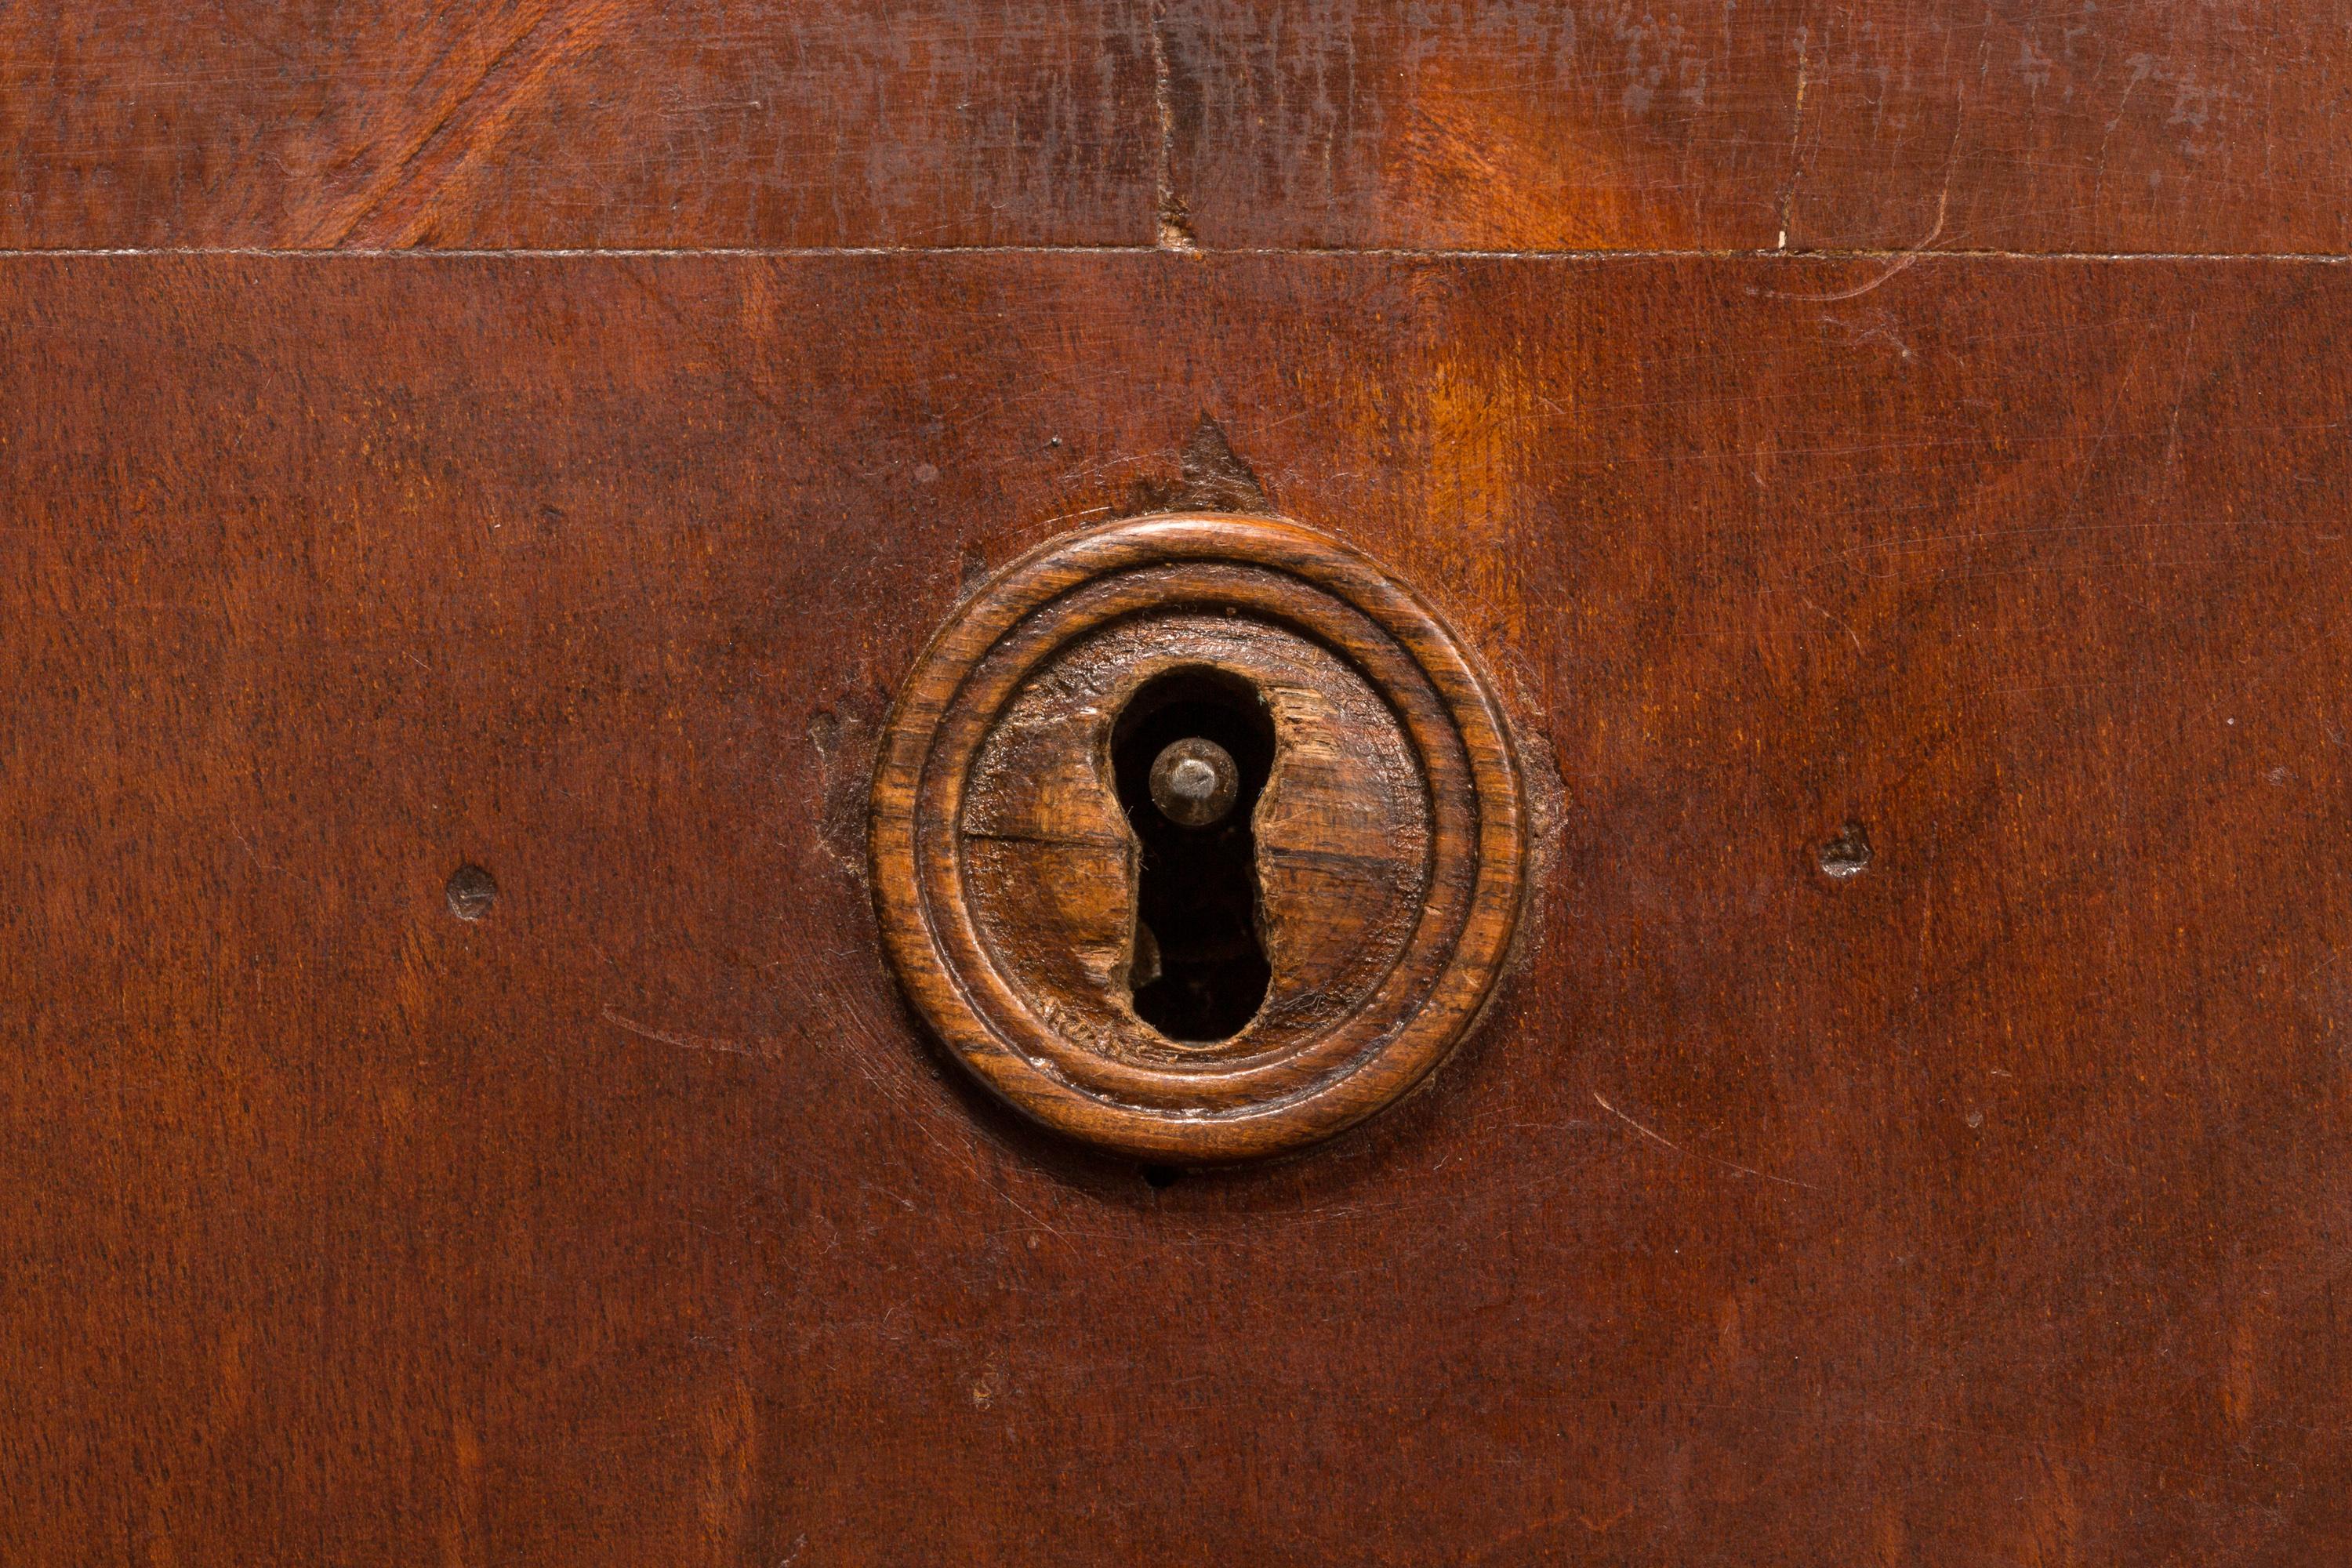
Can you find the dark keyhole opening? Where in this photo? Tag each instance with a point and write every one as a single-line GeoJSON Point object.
{"type": "Point", "coordinates": [1199, 971]}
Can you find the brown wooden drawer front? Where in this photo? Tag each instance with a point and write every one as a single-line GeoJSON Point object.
{"type": "Point", "coordinates": [1987, 1205]}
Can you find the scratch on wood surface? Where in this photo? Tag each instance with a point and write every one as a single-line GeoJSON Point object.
{"type": "Point", "coordinates": [683, 1041]}
{"type": "Point", "coordinates": [2180, 395]}
{"type": "Point", "coordinates": [1835, 621]}
{"type": "Point", "coordinates": [1901, 262]}
{"type": "Point", "coordinates": [1693, 1154]}
{"type": "Point", "coordinates": [859, 1023]}
{"type": "Point", "coordinates": [1796, 139]}
{"type": "Point", "coordinates": [2141, 65]}
{"type": "Point", "coordinates": [869, 1035]}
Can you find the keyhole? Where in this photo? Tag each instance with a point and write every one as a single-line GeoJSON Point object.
{"type": "Point", "coordinates": [1199, 971]}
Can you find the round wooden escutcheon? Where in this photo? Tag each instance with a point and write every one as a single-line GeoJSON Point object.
{"type": "Point", "coordinates": [1177, 987]}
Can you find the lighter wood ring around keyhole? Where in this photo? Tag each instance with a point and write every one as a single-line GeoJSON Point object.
{"type": "Point", "coordinates": [1286, 574]}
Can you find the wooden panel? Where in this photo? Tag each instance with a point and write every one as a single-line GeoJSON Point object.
{"type": "Point", "coordinates": [2032, 125]}
{"type": "Point", "coordinates": [1987, 1205]}
{"type": "Point", "coordinates": [575, 124]}
{"type": "Point", "coordinates": [1520, 125]}
{"type": "Point", "coordinates": [2066, 125]}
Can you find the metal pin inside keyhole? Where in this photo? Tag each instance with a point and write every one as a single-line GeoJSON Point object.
{"type": "Point", "coordinates": [1191, 754]}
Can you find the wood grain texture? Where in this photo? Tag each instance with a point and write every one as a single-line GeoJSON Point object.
{"type": "Point", "coordinates": [2031, 126]}
{"type": "Point", "coordinates": [2021, 125]}
{"type": "Point", "coordinates": [1989, 1205]}
{"type": "Point", "coordinates": [563, 123]}
{"type": "Point", "coordinates": [1387, 851]}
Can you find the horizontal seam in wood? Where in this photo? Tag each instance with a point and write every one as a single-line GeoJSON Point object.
{"type": "Point", "coordinates": [1157, 252]}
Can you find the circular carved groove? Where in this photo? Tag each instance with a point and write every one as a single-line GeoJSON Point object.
{"type": "Point", "coordinates": [1319, 950]}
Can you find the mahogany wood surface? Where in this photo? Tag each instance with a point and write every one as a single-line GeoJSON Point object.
{"type": "Point", "coordinates": [454, 1107]}
{"type": "Point", "coordinates": [2033, 125]}
{"type": "Point", "coordinates": [1987, 1205]}
{"type": "Point", "coordinates": [558, 124]}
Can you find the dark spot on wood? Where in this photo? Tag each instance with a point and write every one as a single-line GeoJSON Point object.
{"type": "Point", "coordinates": [471, 891]}
{"type": "Point", "coordinates": [1847, 853]}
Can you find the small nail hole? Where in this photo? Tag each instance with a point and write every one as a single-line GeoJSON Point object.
{"type": "Point", "coordinates": [1848, 854]}
{"type": "Point", "coordinates": [1162, 1175]}
{"type": "Point", "coordinates": [471, 891]}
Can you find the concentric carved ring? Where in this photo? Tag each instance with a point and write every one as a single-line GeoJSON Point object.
{"type": "Point", "coordinates": [1385, 849]}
